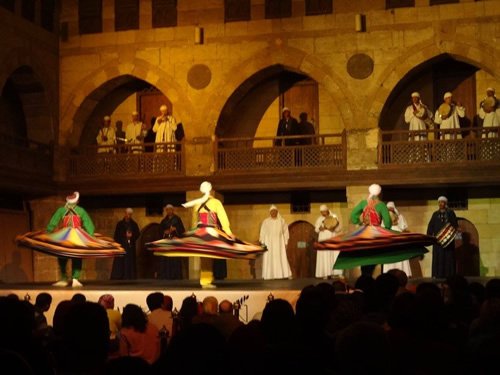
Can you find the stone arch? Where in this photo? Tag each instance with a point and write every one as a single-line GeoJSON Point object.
{"type": "Point", "coordinates": [26, 80]}
{"type": "Point", "coordinates": [478, 54]}
{"type": "Point", "coordinates": [136, 69]}
{"type": "Point", "coordinates": [293, 60]}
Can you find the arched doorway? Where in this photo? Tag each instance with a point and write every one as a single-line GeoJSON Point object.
{"type": "Point", "coordinates": [106, 99]}
{"type": "Point", "coordinates": [432, 79]}
{"type": "Point", "coordinates": [147, 262]}
{"type": "Point", "coordinates": [467, 249]}
{"type": "Point", "coordinates": [300, 252]}
{"type": "Point", "coordinates": [244, 110]}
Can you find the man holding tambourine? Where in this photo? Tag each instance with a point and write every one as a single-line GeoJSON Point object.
{"type": "Point", "coordinates": [444, 226]}
{"type": "Point", "coordinates": [448, 116]}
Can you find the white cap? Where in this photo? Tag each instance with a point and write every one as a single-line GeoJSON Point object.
{"type": "Point", "coordinates": [442, 198]}
{"type": "Point", "coordinates": [107, 118]}
{"type": "Point", "coordinates": [374, 190]}
{"type": "Point", "coordinates": [163, 107]}
{"type": "Point", "coordinates": [129, 210]}
{"type": "Point", "coordinates": [73, 198]}
{"type": "Point", "coordinates": [169, 206]}
{"type": "Point", "coordinates": [490, 89]}
{"type": "Point", "coordinates": [273, 207]}
{"type": "Point", "coordinates": [135, 113]}
{"type": "Point", "coordinates": [323, 207]}
{"type": "Point", "coordinates": [447, 95]}
{"type": "Point", "coordinates": [206, 187]}
{"type": "Point", "coordinates": [285, 109]}
{"type": "Point", "coordinates": [415, 94]}
{"type": "Point", "coordinates": [390, 205]}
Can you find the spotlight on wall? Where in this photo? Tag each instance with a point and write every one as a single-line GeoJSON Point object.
{"type": "Point", "coordinates": [360, 23]}
{"type": "Point", "coordinates": [198, 35]}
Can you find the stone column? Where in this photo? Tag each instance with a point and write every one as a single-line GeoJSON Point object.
{"type": "Point", "coordinates": [362, 149]}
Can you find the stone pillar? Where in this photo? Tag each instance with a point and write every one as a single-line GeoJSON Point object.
{"type": "Point", "coordinates": [362, 149]}
{"type": "Point", "coordinates": [45, 267]}
{"type": "Point", "coordinates": [201, 156]}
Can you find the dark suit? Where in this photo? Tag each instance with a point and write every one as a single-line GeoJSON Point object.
{"type": "Point", "coordinates": [286, 127]}
{"type": "Point", "coordinates": [124, 266]}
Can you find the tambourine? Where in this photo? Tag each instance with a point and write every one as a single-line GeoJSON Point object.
{"type": "Point", "coordinates": [444, 110]}
{"type": "Point", "coordinates": [446, 235]}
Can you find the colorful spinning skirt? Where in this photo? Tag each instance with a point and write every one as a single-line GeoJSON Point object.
{"type": "Point", "coordinates": [207, 242]}
{"type": "Point", "coordinates": [375, 245]}
{"type": "Point", "coordinates": [72, 243]}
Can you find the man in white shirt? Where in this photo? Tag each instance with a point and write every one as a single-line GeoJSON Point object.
{"type": "Point", "coordinates": [106, 136]}
{"type": "Point", "coordinates": [418, 117]}
{"type": "Point", "coordinates": [489, 112]}
{"type": "Point", "coordinates": [164, 127]}
{"type": "Point", "coordinates": [327, 226]}
{"type": "Point", "coordinates": [449, 119]}
{"type": "Point", "coordinates": [134, 133]}
{"type": "Point", "coordinates": [274, 235]}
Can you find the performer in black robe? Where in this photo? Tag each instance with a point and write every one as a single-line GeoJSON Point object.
{"type": "Point", "coordinates": [171, 227]}
{"type": "Point", "coordinates": [443, 258]}
{"type": "Point", "coordinates": [126, 234]}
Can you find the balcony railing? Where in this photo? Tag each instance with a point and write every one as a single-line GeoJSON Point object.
{"type": "Point", "coordinates": [474, 145]}
{"type": "Point", "coordinates": [280, 153]}
{"type": "Point", "coordinates": [26, 156]}
{"type": "Point", "coordinates": [128, 160]}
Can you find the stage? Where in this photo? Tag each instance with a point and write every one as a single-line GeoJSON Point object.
{"type": "Point", "coordinates": [253, 293]}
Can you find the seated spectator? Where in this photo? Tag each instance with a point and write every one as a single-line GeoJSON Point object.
{"type": "Point", "coordinates": [402, 279]}
{"type": "Point", "coordinates": [158, 316]}
{"type": "Point", "coordinates": [42, 305]}
{"type": "Point", "coordinates": [115, 319]}
{"type": "Point", "coordinates": [209, 311]}
{"type": "Point", "coordinates": [79, 298]}
{"type": "Point", "coordinates": [138, 337]}
{"type": "Point", "coordinates": [189, 309]}
{"type": "Point", "coordinates": [227, 322]}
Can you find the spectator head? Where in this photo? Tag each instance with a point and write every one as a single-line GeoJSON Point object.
{"type": "Point", "coordinates": [400, 275]}
{"type": "Point", "coordinates": [493, 288]}
{"type": "Point", "coordinates": [43, 301]}
{"type": "Point", "coordinates": [78, 298]}
{"type": "Point", "coordinates": [154, 301]}
{"type": "Point", "coordinates": [210, 305]}
{"type": "Point", "coordinates": [168, 303]}
{"type": "Point", "coordinates": [107, 301]}
{"type": "Point", "coordinates": [134, 317]}
{"type": "Point", "coordinates": [225, 307]}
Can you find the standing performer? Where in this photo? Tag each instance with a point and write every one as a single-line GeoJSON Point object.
{"type": "Point", "coordinates": [447, 116]}
{"type": "Point", "coordinates": [126, 234]}
{"type": "Point", "coordinates": [443, 257]}
{"type": "Point", "coordinates": [106, 137]}
{"type": "Point", "coordinates": [164, 128]}
{"type": "Point", "coordinates": [327, 226]}
{"type": "Point", "coordinates": [171, 226]}
{"type": "Point", "coordinates": [212, 238]}
{"type": "Point", "coordinates": [274, 235]}
{"type": "Point", "coordinates": [418, 117]}
{"type": "Point", "coordinates": [70, 234]}
{"type": "Point", "coordinates": [399, 225]}
{"type": "Point", "coordinates": [489, 112]}
{"type": "Point", "coordinates": [134, 133]}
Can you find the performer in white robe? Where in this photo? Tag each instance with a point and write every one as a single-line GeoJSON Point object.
{"type": "Point", "coordinates": [164, 127]}
{"type": "Point", "coordinates": [490, 114]}
{"type": "Point", "coordinates": [399, 224]}
{"type": "Point", "coordinates": [274, 235]}
{"type": "Point", "coordinates": [134, 133]}
{"type": "Point", "coordinates": [106, 136]}
{"type": "Point", "coordinates": [325, 259]}
{"type": "Point", "coordinates": [451, 120]}
{"type": "Point", "coordinates": [418, 117]}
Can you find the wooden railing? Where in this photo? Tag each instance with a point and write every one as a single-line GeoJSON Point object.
{"type": "Point", "coordinates": [280, 153]}
{"type": "Point", "coordinates": [474, 145]}
{"type": "Point", "coordinates": [128, 160]}
{"type": "Point", "coordinates": [25, 156]}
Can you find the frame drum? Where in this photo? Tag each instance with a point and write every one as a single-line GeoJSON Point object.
{"type": "Point", "coordinates": [446, 235]}
{"type": "Point", "coordinates": [444, 110]}
{"type": "Point", "coordinates": [330, 223]}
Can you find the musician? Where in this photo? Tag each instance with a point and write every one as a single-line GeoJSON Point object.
{"type": "Point", "coordinates": [135, 133]}
{"type": "Point", "coordinates": [327, 226]}
{"type": "Point", "coordinates": [489, 112]}
{"type": "Point", "coordinates": [171, 226]}
{"type": "Point", "coordinates": [418, 117]}
{"type": "Point", "coordinates": [106, 136]}
{"type": "Point", "coordinates": [443, 258]}
{"type": "Point", "coordinates": [399, 225]}
{"type": "Point", "coordinates": [287, 126]}
{"type": "Point", "coordinates": [127, 233]}
{"type": "Point", "coordinates": [164, 127]}
{"type": "Point", "coordinates": [448, 114]}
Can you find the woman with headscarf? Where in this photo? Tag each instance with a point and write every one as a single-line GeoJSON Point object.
{"type": "Point", "coordinates": [211, 239]}
{"type": "Point", "coordinates": [274, 235]}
